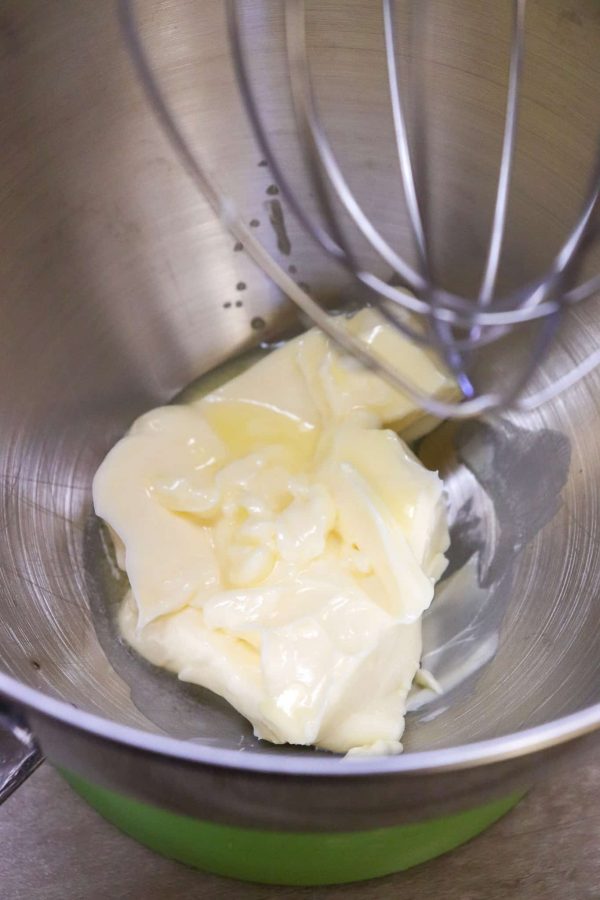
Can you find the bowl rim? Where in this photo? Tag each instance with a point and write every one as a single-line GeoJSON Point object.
{"type": "Point", "coordinates": [421, 762]}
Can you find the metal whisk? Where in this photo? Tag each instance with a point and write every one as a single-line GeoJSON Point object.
{"type": "Point", "coordinates": [454, 326]}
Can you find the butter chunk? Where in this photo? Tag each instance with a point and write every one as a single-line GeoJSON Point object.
{"type": "Point", "coordinates": [282, 541]}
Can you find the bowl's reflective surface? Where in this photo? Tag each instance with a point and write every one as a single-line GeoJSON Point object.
{"type": "Point", "coordinates": [119, 287]}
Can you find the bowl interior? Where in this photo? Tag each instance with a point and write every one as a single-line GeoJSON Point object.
{"type": "Point", "coordinates": [119, 287]}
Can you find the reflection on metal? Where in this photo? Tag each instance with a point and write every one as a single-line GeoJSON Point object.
{"type": "Point", "coordinates": [19, 753]}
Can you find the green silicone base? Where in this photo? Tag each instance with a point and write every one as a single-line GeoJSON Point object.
{"type": "Point", "coordinates": [273, 857]}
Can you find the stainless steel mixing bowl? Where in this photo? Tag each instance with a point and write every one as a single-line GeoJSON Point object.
{"type": "Point", "coordinates": [118, 287]}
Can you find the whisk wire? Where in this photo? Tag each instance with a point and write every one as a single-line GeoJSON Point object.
{"type": "Point", "coordinates": [402, 145]}
{"type": "Point", "coordinates": [508, 151]}
{"type": "Point", "coordinates": [441, 335]}
{"type": "Point", "coordinates": [482, 320]}
{"type": "Point", "coordinates": [203, 179]}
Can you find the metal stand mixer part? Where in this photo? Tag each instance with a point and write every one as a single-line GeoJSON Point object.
{"type": "Point", "coordinates": [454, 326]}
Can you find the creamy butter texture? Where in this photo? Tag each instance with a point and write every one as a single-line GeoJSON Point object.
{"type": "Point", "coordinates": [282, 542]}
